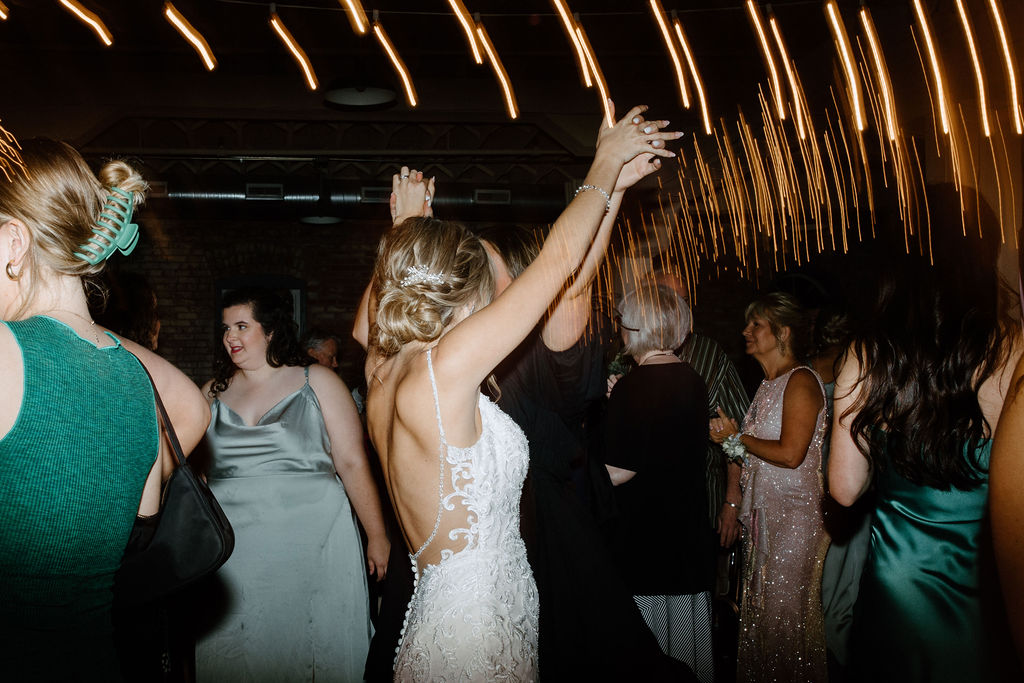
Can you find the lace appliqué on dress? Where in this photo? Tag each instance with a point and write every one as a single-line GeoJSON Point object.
{"type": "Point", "coordinates": [474, 615]}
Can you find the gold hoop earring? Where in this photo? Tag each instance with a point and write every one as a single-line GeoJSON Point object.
{"type": "Point", "coordinates": [11, 275]}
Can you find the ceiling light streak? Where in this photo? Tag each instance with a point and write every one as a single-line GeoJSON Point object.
{"type": "Point", "coordinates": [659, 16]}
{"type": "Point", "coordinates": [882, 72]}
{"type": "Point", "coordinates": [189, 33]}
{"type": "Point", "coordinates": [933, 57]}
{"type": "Point", "coordinates": [755, 16]}
{"type": "Point", "coordinates": [4, 12]}
{"type": "Point", "coordinates": [784, 54]}
{"type": "Point", "coordinates": [978, 76]}
{"type": "Point", "coordinates": [697, 81]}
{"type": "Point", "coordinates": [499, 71]}
{"type": "Point", "coordinates": [356, 15]}
{"type": "Point", "coordinates": [89, 19]}
{"type": "Point", "coordinates": [297, 52]}
{"type": "Point", "coordinates": [843, 42]}
{"type": "Point", "coordinates": [595, 69]}
{"type": "Point", "coordinates": [1011, 69]}
{"type": "Point", "coordinates": [462, 14]}
{"type": "Point", "coordinates": [396, 61]}
{"type": "Point", "coordinates": [570, 29]}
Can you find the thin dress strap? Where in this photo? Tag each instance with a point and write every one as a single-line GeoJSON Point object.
{"type": "Point", "coordinates": [442, 450]}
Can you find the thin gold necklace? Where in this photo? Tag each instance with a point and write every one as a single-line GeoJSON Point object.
{"type": "Point", "coordinates": [92, 323]}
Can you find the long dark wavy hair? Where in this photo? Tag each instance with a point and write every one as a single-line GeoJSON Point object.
{"type": "Point", "coordinates": [272, 309]}
{"type": "Point", "coordinates": [937, 331]}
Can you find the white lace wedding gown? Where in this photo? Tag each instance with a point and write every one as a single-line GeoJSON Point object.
{"type": "Point", "coordinates": [474, 615]}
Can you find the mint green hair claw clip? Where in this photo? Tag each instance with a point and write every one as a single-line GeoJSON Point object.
{"type": "Point", "coordinates": [114, 231]}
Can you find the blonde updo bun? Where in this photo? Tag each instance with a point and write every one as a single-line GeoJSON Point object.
{"type": "Point", "coordinates": [59, 200]}
{"type": "Point", "coordinates": [421, 310]}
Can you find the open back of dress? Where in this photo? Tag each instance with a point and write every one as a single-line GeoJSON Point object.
{"type": "Point", "coordinates": [474, 614]}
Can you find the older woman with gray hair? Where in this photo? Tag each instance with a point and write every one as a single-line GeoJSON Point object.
{"type": "Point", "coordinates": [655, 445]}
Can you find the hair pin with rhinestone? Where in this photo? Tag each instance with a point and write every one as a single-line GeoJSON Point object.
{"type": "Point", "coordinates": [415, 275]}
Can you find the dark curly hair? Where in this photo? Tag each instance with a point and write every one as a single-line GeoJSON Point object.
{"type": "Point", "coordinates": [937, 331]}
{"type": "Point", "coordinates": [272, 309]}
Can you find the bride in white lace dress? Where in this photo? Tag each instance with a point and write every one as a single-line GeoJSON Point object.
{"type": "Point", "coordinates": [453, 462]}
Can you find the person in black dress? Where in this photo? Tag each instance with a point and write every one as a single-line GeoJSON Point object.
{"type": "Point", "coordinates": [655, 447]}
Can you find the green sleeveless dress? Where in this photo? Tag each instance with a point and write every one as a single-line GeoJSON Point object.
{"type": "Point", "coordinates": [922, 611]}
{"type": "Point", "coordinates": [72, 471]}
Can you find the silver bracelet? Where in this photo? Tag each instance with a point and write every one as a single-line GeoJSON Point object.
{"type": "Point", "coordinates": [607, 199]}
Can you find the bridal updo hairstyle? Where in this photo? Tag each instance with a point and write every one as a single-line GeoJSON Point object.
{"type": "Point", "coordinates": [420, 310]}
{"type": "Point", "coordinates": [59, 200]}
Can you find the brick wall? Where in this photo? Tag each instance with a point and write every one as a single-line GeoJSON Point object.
{"type": "Point", "coordinates": [183, 261]}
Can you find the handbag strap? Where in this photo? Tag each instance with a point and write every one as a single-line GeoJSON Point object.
{"type": "Point", "coordinates": [172, 438]}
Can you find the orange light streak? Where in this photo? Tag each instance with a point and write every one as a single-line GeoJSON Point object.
{"type": "Point", "coordinates": [570, 29]}
{"type": "Point", "coordinates": [396, 61]}
{"type": "Point", "coordinates": [89, 19]}
{"type": "Point", "coordinates": [881, 71]}
{"type": "Point", "coordinates": [843, 41]}
{"type": "Point", "coordinates": [933, 57]}
{"type": "Point", "coordinates": [978, 76]}
{"type": "Point", "coordinates": [10, 157]}
{"type": "Point", "coordinates": [797, 114]}
{"type": "Point", "coordinates": [499, 71]}
{"type": "Point", "coordinates": [595, 69]}
{"type": "Point", "coordinates": [1011, 69]}
{"type": "Point", "coordinates": [659, 16]}
{"type": "Point", "coordinates": [356, 15]}
{"type": "Point", "coordinates": [755, 16]}
{"type": "Point", "coordinates": [297, 52]}
{"type": "Point", "coordinates": [697, 81]}
{"type": "Point", "coordinates": [462, 14]}
{"type": "Point", "coordinates": [4, 12]}
{"type": "Point", "coordinates": [193, 36]}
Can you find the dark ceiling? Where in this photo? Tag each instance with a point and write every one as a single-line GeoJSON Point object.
{"type": "Point", "coordinates": [254, 121]}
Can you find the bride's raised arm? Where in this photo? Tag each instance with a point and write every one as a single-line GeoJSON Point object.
{"type": "Point", "coordinates": [472, 349]}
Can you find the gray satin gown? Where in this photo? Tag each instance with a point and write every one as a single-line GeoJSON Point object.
{"type": "Point", "coordinates": [292, 604]}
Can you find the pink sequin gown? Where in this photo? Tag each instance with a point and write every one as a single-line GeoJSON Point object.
{"type": "Point", "coordinates": [782, 634]}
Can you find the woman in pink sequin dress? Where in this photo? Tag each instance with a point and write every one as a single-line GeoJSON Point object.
{"type": "Point", "coordinates": [782, 634]}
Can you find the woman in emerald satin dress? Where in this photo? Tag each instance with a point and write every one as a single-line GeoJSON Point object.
{"type": "Point", "coordinates": [288, 467]}
{"type": "Point", "coordinates": [80, 447]}
{"type": "Point", "coordinates": [916, 403]}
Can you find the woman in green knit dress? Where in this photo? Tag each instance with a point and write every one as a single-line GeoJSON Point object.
{"type": "Point", "coordinates": [79, 436]}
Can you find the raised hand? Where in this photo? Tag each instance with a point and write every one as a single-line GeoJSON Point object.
{"type": "Point", "coordinates": [411, 196]}
{"type": "Point", "coordinates": [633, 136]}
{"type": "Point", "coordinates": [644, 164]}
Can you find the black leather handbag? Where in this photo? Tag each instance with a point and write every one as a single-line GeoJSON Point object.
{"type": "Point", "coordinates": [189, 538]}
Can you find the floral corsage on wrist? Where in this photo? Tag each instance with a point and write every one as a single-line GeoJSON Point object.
{"type": "Point", "coordinates": [734, 449]}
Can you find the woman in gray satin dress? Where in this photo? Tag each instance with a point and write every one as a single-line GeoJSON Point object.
{"type": "Point", "coordinates": [288, 467]}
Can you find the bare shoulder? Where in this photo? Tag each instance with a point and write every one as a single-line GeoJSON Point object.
{"type": "Point", "coordinates": [804, 386]}
{"type": "Point", "coordinates": [182, 398]}
{"type": "Point", "coordinates": [12, 375]}
{"type": "Point", "coordinates": [328, 387]}
{"type": "Point", "coordinates": [206, 389]}
{"type": "Point", "coordinates": [994, 390]}
{"type": "Point", "coordinates": [8, 344]}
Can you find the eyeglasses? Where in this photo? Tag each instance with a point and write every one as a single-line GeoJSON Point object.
{"type": "Point", "coordinates": [618, 321]}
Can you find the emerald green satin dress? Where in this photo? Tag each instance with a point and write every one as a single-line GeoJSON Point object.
{"type": "Point", "coordinates": [920, 615]}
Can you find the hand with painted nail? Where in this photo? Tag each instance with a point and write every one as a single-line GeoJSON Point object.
{"type": "Point", "coordinates": [626, 140]}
